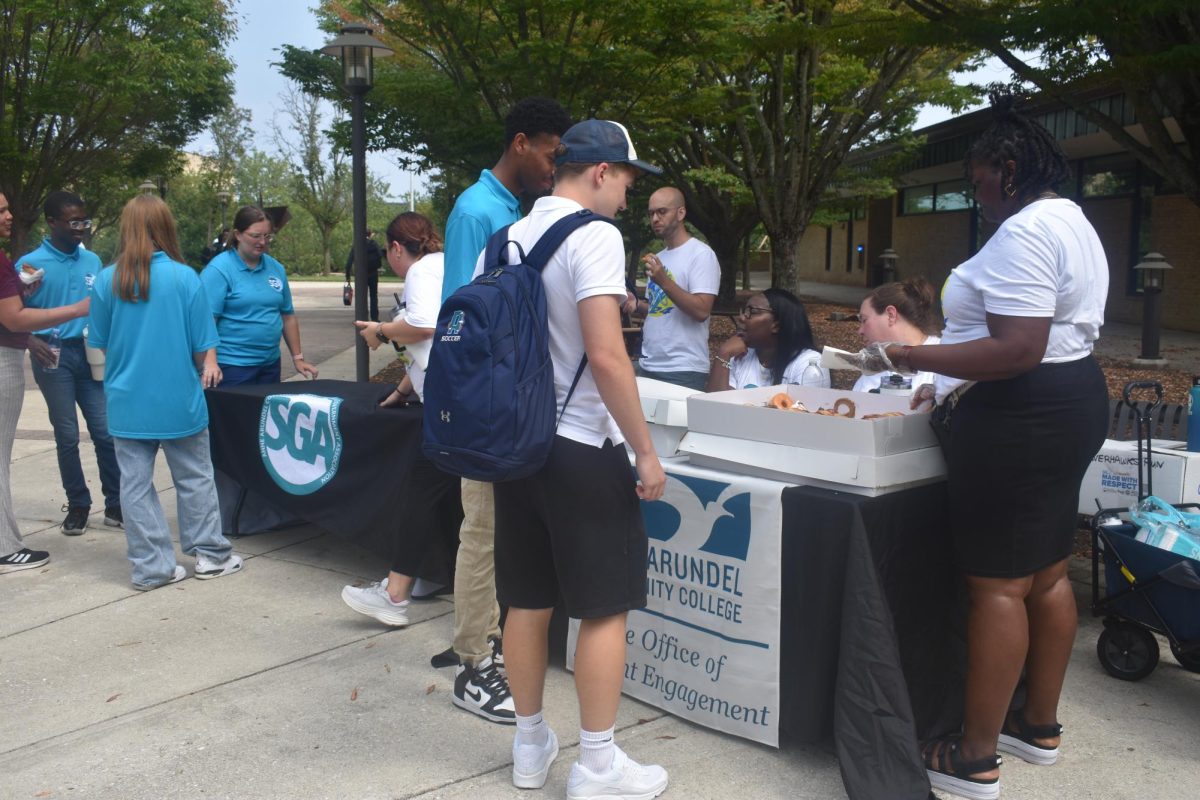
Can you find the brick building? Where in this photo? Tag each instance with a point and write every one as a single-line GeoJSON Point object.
{"type": "Point", "coordinates": [932, 224]}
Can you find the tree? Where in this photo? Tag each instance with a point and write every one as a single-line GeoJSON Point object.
{"type": "Point", "coordinates": [1149, 49]}
{"type": "Point", "coordinates": [803, 84]}
{"type": "Point", "coordinates": [102, 93]}
{"type": "Point", "coordinates": [320, 177]}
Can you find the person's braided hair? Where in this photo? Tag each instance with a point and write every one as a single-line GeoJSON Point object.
{"type": "Point", "coordinates": [1041, 163]}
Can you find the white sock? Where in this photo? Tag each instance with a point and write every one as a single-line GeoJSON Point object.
{"type": "Point", "coordinates": [596, 749]}
{"type": "Point", "coordinates": [532, 730]}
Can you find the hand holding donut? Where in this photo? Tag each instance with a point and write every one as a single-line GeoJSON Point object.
{"type": "Point", "coordinates": [654, 267]}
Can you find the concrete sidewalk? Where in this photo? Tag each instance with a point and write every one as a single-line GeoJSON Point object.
{"type": "Point", "coordinates": [264, 685]}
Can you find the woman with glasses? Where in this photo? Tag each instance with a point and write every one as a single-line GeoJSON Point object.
{"type": "Point", "coordinates": [773, 345]}
{"type": "Point", "coordinates": [249, 296]}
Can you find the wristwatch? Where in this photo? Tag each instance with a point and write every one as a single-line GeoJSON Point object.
{"type": "Point", "coordinates": [380, 335]}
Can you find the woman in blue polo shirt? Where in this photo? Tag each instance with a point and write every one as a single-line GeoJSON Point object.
{"type": "Point", "coordinates": [248, 294]}
{"type": "Point", "coordinates": [150, 316]}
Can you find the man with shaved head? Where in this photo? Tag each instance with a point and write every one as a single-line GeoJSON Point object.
{"type": "Point", "coordinates": [683, 281]}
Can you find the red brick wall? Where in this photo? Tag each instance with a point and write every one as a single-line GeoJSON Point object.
{"type": "Point", "coordinates": [1175, 232]}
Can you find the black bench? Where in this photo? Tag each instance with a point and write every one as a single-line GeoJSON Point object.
{"type": "Point", "coordinates": [1168, 421]}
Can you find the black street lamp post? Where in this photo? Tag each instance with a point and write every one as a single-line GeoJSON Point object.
{"type": "Point", "coordinates": [1153, 268]}
{"type": "Point", "coordinates": [357, 48]}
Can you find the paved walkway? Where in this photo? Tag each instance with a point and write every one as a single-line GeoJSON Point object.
{"type": "Point", "coordinates": [263, 685]}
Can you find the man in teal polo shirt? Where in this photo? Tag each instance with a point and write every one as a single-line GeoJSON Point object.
{"type": "Point", "coordinates": [532, 131]}
{"type": "Point", "coordinates": [70, 270]}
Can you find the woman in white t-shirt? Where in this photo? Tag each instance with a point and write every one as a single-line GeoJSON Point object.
{"type": "Point", "coordinates": [414, 252]}
{"type": "Point", "coordinates": [904, 312]}
{"type": "Point", "coordinates": [773, 345]}
{"type": "Point", "coordinates": [1021, 318]}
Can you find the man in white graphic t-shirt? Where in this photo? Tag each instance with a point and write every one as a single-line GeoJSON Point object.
{"type": "Point", "coordinates": [683, 283]}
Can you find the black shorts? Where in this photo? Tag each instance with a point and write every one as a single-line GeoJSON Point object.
{"type": "Point", "coordinates": [572, 531]}
{"type": "Point", "coordinates": [1016, 455]}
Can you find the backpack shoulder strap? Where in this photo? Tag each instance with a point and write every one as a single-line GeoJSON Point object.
{"type": "Point", "coordinates": [557, 233]}
{"type": "Point", "coordinates": [496, 249]}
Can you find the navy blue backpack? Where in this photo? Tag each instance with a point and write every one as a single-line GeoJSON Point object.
{"type": "Point", "coordinates": [490, 407]}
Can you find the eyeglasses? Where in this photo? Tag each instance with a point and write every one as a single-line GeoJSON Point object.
{"type": "Point", "coordinates": [260, 237]}
{"type": "Point", "coordinates": [749, 311]}
{"type": "Point", "coordinates": [660, 212]}
{"type": "Point", "coordinates": [79, 224]}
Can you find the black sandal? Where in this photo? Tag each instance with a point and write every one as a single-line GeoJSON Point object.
{"type": "Point", "coordinates": [1017, 738]}
{"type": "Point", "coordinates": [948, 770]}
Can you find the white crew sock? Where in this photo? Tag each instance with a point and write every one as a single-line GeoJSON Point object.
{"type": "Point", "coordinates": [532, 730]}
{"type": "Point", "coordinates": [596, 750]}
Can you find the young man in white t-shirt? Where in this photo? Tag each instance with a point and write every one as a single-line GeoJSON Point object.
{"type": "Point", "coordinates": [573, 531]}
{"type": "Point", "coordinates": [684, 281]}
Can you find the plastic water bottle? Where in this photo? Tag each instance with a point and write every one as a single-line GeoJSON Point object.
{"type": "Point", "coordinates": [896, 384]}
{"type": "Point", "coordinates": [54, 342]}
{"type": "Point", "coordinates": [1194, 416]}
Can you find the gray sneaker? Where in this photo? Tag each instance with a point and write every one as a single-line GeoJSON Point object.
{"type": "Point", "coordinates": [375, 602]}
{"type": "Point", "coordinates": [207, 569]}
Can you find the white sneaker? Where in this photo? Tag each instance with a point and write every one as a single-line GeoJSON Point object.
{"type": "Point", "coordinates": [180, 574]}
{"type": "Point", "coordinates": [206, 569]}
{"type": "Point", "coordinates": [625, 780]}
{"type": "Point", "coordinates": [531, 763]}
{"type": "Point", "coordinates": [374, 601]}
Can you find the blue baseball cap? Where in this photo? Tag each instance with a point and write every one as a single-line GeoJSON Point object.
{"type": "Point", "coordinates": [600, 140]}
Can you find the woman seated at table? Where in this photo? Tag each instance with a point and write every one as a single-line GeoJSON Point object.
{"type": "Point", "coordinates": [414, 252]}
{"type": "Point", "coordinates": [903, 312]}
{"type": "Point", "coordinates": [249, 296]}
{"type": "Point", "coordinates": [773, 345]}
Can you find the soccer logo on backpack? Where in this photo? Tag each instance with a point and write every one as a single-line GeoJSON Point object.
{"type": "Point", "coordinates": [300, 440]}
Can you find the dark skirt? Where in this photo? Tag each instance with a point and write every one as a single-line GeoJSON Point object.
{"type": "Point", "coordinates": [1016, 455]}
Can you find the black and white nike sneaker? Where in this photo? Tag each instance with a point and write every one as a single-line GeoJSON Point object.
{"type": "Point", "coordinates": [30, 559]}
{"type": "Point", "coordinates": [483, 690]}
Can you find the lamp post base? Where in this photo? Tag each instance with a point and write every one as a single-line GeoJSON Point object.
{"type": "Point", "coordinates": [1149, 362]}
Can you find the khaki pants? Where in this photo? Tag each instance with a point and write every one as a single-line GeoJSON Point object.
{"type": "Point", "coordinates": [476, 613]}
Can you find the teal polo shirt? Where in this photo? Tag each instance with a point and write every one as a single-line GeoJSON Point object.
{"type": "Point", "coordinates": [484, 208]}
{"type": "Point", "coordinates": [151, 383]}
{"type": "Point", "coordinates": [69, 277]}
{"type": "Point", "coordinates": [248, 304]}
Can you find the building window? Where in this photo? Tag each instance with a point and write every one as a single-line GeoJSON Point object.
{"type": "Point", "coordinates": [1108, 176]}
{"type": "Point", "coordinates": [943, 196]}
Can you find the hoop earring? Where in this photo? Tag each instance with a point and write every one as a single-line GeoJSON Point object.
{"type": "Point", "coordinates": [1009, 189]}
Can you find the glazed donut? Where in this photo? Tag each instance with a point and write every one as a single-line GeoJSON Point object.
{"type": "Point", "coordinates": [782, 401]}
{"type": "Point", "coordinates": [844, 402]}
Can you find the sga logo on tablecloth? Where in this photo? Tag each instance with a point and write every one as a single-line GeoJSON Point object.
{"type": "Point", "coordinates": [300, 440]}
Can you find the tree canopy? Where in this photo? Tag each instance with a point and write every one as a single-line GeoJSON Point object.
{"type": "Point", "coordinates": [103, 92]}
{"type": "Point", "coordinates": [1148, 49]}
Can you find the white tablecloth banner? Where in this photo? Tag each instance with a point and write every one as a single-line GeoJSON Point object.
{"type": "Point", "coordinates": [706, 647]}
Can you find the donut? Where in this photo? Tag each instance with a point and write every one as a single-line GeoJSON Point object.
{"type": "Point", "coordinates": [782, 401]}
{"type": "Point", "coordinates": [29, 268]}
{"type": "Point", "coordinates": [844, 402]}
{"type": "Point", "coordinates": [884, 415]}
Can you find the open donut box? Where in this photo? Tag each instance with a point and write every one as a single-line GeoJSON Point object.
{"type": "Point", "coordinates": [664, 407]}
{"type": "Point", "coordinates": [735, 430]}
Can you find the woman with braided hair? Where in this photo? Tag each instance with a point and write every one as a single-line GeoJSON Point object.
{"type": "Point", "coordinates": [1029, 407]}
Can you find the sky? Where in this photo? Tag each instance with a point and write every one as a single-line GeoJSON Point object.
{"type": "Point", "coordinates": [263, 29]}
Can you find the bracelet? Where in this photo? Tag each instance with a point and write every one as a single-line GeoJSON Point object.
{"type": "Point", "coordinates": [727, 364]}
{"type": "Point", "coordinates": [298, 357]}
{"type": "Point", "coordinates": [379, 333]}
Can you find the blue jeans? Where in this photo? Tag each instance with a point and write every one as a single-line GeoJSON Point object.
{"type": "Point", "coordinates": [146, 531]}
{"type": "Point", "coordinates": [63, 388]}
{"type": "Point", "coordinates": [233, 375]}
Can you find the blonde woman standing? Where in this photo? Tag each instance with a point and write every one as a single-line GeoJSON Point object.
{"type": "Point", "coordinates": [150, 314]}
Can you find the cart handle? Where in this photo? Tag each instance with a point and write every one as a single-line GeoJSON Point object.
{"type": "Point", "coordinates": [1133, 386]}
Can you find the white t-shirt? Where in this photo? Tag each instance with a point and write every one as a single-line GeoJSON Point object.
{"type": "Point", "coordinates": [746, 372]}
{"type": "Point", "coordinates": [1044, 261]}
{"type": "Point", "coordinates": [422, 301]}
{"type": "Point", "coordinates": [868, 382]}
{"type": "Point", "coordinates": [591, 262]}
{"type": "Point", "coordinates": [671, 340]}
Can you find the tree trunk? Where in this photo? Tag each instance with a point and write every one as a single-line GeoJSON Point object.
{"type": "Point", "coordinates": [727, 251]}
{"type": "Point", "coordinates": [784, 270]}
{"type": "Point", "coordinates": [326, 236]}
